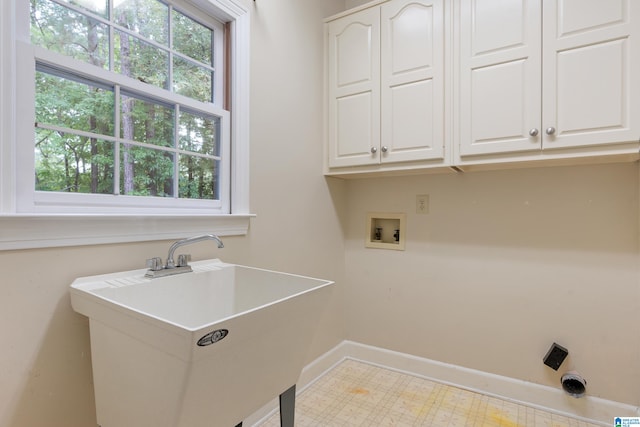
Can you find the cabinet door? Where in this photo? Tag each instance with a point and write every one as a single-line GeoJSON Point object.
{"type": "Point", "coordinates": [412, 80]}
{"type": "Point", "coordinates": [590, 77]}
{"type": "Point", "coordinates": [500, 83]}
{"type": "Point", "coordinates": [354, 89]}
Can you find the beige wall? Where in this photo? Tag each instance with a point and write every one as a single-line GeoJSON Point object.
{"type": "Point", "coordinates": [505, 263]}
{"type": "Point", "coordinates": [354, 3]}
{"type": "Point", "coordinates": [45, 371]}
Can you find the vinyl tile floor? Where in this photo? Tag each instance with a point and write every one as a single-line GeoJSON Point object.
{"type": "Point", "coordinates": [354, 393]}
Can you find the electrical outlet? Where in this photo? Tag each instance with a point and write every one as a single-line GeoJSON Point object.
{"type": "Point", "coordinates": [422, 204]}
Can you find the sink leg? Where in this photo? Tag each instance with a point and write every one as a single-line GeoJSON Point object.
{"type": "Point", "coordinates": [287, 407]}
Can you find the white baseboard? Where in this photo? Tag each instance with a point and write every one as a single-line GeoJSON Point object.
{"type": "Point", "coordinates": [588, 408]}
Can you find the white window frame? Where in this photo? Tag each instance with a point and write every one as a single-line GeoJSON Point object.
{"type": "Point", "coordinates": [22, 228]}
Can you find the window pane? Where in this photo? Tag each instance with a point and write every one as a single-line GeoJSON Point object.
{"type": "Point", "coordinates": [146, 172]}
{"type": "Point", "coordinates": [145, 121]}
{"type": "Point", "coordinates": [99, 7]}
{"type": "Point", "coordinates": [74, 105]}
{"type": "Point", "coordinates": [192, 39]}
{"type": "Point", "coordinates": [198, 178]}
{"type": "Point", "coordinates": [149, 18]}
{"type": "Point", "coordinates": [71, 163]}
{"type": "Point", "coordinates": [61, 30]}
{"type": "Point", "coordinates": [192, 80]}
{"type": "Point", "coordinates": [199, 134]}
{"type": "Point", "coordinates": [139, 60]}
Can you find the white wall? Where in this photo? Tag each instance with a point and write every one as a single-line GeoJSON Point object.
{"type": "Point", "coordinates": [505, 263]}
{"type": "Point", "coordinates": [45, 370]}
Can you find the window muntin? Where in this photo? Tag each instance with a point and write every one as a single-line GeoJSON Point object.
{"type": "Point", "coordinates": [128, 142]}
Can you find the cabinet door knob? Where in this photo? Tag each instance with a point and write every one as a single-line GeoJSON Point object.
{"type": "Point", "coordinates": [533, 132]}
{"type": "Point", "coordinates": [384, 149]}
{"type": "Point", "coordinates": [374, 150]}
{"type": "Point", "coordinates": [551, 130]}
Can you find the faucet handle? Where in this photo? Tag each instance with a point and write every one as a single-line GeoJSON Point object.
{"type": "Point", "coordinates": [155, 264]}
{"type": "Point", "coordinates": [183, 260]}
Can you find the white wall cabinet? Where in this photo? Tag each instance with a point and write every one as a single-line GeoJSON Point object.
{"type": "Point", "coordinates": [354, 89]}
{"type": "Point", "coordinates": [548, 75]}
{"type": "Point", "coordinates": [386, 85]}
{"type": "Point", "coordinates": [433, 85]}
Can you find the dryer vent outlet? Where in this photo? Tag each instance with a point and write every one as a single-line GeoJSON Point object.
{"type": "Point", "coordinates": [574, 384]}
{"type": "Point", "coordinates": [555, 356]}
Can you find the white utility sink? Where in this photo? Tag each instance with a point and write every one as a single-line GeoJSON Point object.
{"type": "Point", "coordinates": [206, 348]}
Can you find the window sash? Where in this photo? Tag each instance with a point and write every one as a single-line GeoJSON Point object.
{"type": "Point", "coordinates": [29, 59]}
{"type": "Point", "coordinates": [183, 7]}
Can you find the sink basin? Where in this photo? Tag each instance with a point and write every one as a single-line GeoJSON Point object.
{"type": "Point", "coordinates": [206, 348]}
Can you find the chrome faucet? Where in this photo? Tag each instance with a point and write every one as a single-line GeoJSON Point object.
{"type": "Point", "coordinates": [189, 240]}
{"type": "Point", "coordinates": [156, 269]}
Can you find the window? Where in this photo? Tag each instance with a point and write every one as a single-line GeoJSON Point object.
{"type": "Point", "coordinates": [144, 120]}
{"type": "Point", "coordinates": [119, 108]}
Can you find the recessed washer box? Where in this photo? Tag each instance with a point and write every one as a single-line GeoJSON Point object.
{"type": "Point", "coordinates": [385, 231]}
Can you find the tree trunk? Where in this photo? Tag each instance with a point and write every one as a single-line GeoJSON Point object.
{"type": "Point", "coordinates": [67, 180]}
{"type": "Point", "coordinates": [94, 155]}
{"type": "Point", "coordinates": [92, 47]}
{"type": "Point", "coordinates": [76, 178]}
{"type": "Point", "coordinates": [127, 109]}
{"type": "Point", "coordinates": [150, 134]}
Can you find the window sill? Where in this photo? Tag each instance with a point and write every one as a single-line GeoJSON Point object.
{"type": "Point", "coordinates": [45, 231]}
